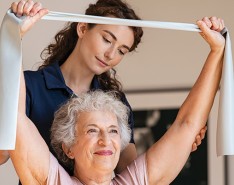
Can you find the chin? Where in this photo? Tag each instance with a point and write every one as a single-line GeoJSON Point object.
{"type": "Point", "coordinates": [99, 71]}
{"type": "Point", "coordinates": [106, 167]}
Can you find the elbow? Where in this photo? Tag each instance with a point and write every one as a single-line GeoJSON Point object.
{"type": "Point", "coordinates": [192, 125]}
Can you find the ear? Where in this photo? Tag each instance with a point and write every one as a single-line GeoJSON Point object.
{"type": "Point", "coordinates": [81, 29]}
{"type": "Point", "coordinates": [67, 151]}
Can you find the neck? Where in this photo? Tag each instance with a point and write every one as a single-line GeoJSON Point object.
{"type": "Point", "coordinates": [76, 76]}
{"type": "Point", "coordinates": [91, 177]}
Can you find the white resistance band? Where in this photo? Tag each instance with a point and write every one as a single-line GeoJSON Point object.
{"type": "Point", "coordinates": [11, 62]}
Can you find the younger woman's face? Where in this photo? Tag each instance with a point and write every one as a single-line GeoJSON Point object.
{"type": "Point", "coordinates": [103, 46]}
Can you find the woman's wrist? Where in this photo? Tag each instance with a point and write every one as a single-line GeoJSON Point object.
{"type": "Point", "coordinates": [217, 50]}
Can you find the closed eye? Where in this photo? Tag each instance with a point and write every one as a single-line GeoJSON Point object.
{"type": "Point", "coordinates": [121, 52]}
{"type": "Point", "coordinates": [106, 40]}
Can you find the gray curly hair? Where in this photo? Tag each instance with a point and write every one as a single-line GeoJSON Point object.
{"type": "Point", "coordinates": [63, 130]}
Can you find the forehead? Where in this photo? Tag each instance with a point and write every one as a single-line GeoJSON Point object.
{"type": "Point", "coordinates": [124, 34]}
{"type": "Point", "coordinates": [99, 118]}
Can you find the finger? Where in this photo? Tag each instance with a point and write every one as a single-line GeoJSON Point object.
{"type": "Point", "coordinates": [215, 23]}
{"type": "Point", "coordinates": [221, 24]}
{"type": "Point", "coordinates": [28, 6]}
{"type": "Point", "coordinates": [204, 28]}
{"type": "Point", "coordinates": [35, 9]}
{"type": "Point", "coordinates": [203, 133]}
{"type": "Point", "coordinates": [207, 21]}
{"type": "Point", "coordinates": [42, 12]}
{"type": "Point", "coordinates": [194, 147]}
{"type": "Point", "coordinates": [20, 8]}
{"type": "Point", "coordinates": [39, 15]}
{"type": "Point", "coordinates": [198, 140]}
{"type": "Point", "coordinates": [14, 7]}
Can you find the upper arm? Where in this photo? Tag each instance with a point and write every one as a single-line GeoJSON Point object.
{"type": "Point", "coordinates": [166, 157]}
{"type": "Point", "coordinates": [31, 154]}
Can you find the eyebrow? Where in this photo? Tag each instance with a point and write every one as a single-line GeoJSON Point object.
{"type": "Point", "coordinates": [114, 37]}
{"type": "Point", "coordinates": [96, 125]}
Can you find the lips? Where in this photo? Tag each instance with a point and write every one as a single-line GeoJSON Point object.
{"type": "Point", "coordinates": [102, 62]}
{"type": "Point", "coordinates": [103, 152]}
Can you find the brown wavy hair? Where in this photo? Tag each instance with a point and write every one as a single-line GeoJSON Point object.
{"type": "Point", "coordinates": [66, 39]}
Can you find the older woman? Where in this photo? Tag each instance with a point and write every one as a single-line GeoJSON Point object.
{"type": "Point", "coordinates": [90, 131]}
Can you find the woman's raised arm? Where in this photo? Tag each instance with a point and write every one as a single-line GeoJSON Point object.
{"type": "Point", "coordinates": [166, 158]}
{"type": "Point", "coordinates": [31, 155]}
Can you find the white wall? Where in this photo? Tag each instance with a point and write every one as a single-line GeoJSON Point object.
{"type": "Point", "coordinates": [166, 58]}
{"type": "Point", "coordinates": [169, 58]}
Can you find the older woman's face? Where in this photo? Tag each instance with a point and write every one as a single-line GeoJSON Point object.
{"type": "Point", "coordinates": [98, 142]}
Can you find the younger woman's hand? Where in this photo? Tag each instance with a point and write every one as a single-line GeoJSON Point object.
{"type": "Point", "coordinates": [211, 28]}
{"type": "Point", "coordinates": [199, 138]}
{"type": "Point", "coordinates": [32, 10]}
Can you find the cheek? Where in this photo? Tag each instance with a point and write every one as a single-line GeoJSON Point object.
{"type": "Point", "coordinates": [116, 61]}
{"type": "Point", "coordinates": [117, 142]}
{"type": "Point", "coordinates": [89, 45]}
{"type": "Point", "coordinates": [86, 144]}
{"type": "Point", "coordinates": [90, 48]}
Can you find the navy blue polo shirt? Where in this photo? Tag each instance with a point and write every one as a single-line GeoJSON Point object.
{"type": "Point", "coordinates": [46, 92]}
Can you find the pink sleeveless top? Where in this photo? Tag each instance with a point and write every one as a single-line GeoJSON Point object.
{"type": "Point", "coordinates": [135, 174]}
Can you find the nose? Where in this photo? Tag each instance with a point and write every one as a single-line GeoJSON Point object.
{"type": "Point", "coordinates": [104, 139]}
{"type": "Point", "coordinates": [110, 53]}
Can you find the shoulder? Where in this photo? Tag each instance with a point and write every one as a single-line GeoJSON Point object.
{"type": "Point", "coordinates": [34, 80]}
{"type": "Point", "coordinates": [57, 173]}
{"type": "Point", "coordinates": [134, 174]}
{"type": "Point", "coordinates": [33, 75]}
